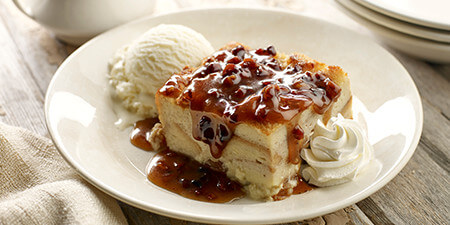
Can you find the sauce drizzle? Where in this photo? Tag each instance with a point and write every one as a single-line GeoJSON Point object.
{"type": "Point", "coordinates": [237, 85]}
{"type": "Point", "coordinates": [141, 130]}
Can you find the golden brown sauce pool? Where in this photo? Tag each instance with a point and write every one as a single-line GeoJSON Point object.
{"type": "Point", "coordinates": [240, 85]}
{"type": "Point", "coordinates": [140, 131]}
{"type": "Point", "coordinates": [186, 177]}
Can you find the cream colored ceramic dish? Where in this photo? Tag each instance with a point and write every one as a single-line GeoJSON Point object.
{"type": "Point", "coordinates": [418, 47]}
{"type": "Point", "coordinates": [81, 121]}
{"type": "Point", "coordinates": [430, 13]}
{"type": "Point", "coordinates": [398, 25]}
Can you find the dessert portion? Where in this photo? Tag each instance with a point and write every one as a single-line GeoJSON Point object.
{"type": "Point", "coordinates": [337, 154]}
{"type": "Point", "coordinates": [236, 121]}
{"type": "Point", "coordinates": [138, 70]}
{"type": "Point", "coordinates": [248, 113]}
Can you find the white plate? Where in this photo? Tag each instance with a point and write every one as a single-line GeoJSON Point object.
{"type": "Point", "coordinates": [398, 25]}
{"type": "Point", "coordinates": [418, 47]}
{"type": "Point", "coordinates": [429, 13]}
{"type": "Point", "coordinates": [80, 118]}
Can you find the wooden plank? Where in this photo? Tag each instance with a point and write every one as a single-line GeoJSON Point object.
{"type": "Point", "coordinates": [37, 47]}
{"type": "Point", "coordinates": [357, 216]}
{"type": "Point", "coordinates": [436, 136]}
{"type": "Point", "coordinates": [443, 69]}
{"type": "Point", "coordinates": [20, 97]}
{"type": "Point", "coordinates": [349, 215]}
{"type": "Point", "coordinates": [418, 195]}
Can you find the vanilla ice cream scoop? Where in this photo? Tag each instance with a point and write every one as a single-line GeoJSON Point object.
{"type": "Point", "coordinates": [138, 70]}
{"type": "Point", "coordinates": [337, 154]}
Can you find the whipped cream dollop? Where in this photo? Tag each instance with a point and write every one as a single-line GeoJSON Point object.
{"type": "Point", "coordinates": [338, 152]}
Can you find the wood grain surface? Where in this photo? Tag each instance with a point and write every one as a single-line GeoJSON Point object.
{"type": "Point", "coordinates": [30, 55]}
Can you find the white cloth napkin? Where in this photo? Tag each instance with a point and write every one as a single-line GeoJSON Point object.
{"type": "Point", "coordinates": [38, 187]}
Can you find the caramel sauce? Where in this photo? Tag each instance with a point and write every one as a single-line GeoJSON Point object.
{"type": "Point", "coordinates": [240, 85]}
{"type": "Point", "coordinates": [180, 174]}
{"type": "Point", "coordinates": [212, 130]}
{"type": "Point", "coordinates": [301, 187]}
{"type": "Point", "coordinates": [140, 131]}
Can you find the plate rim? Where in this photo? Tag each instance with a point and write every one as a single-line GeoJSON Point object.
{"type": "Point", "coordinates": [403, 16]}
{"type": "Point", "coordinates": [397, 25]}
{"type": "Point", "coordinates": [204, 218]}
{"type": "Point", "coordinates": [391, 37]}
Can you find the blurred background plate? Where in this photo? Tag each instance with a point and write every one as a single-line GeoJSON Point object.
{"type": "Point", "coordinates": [398, 25]}
{"type": "Point", "coordinates": [418, 47]}
{"type": "Point", "coordinates": [429, 13]}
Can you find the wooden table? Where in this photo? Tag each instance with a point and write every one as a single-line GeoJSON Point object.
{"type": "Point", "coordinates": [30, 55]}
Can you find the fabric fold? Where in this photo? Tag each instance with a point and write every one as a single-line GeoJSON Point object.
{"type": "Point", "coordinates": [38, 187]}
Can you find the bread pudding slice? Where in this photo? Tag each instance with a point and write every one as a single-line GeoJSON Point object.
{"type": "Point", "coordinates": [250, 112]}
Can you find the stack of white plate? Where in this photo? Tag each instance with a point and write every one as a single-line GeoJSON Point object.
{"type": "Point", "coordinates": [417, 27]}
